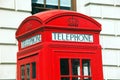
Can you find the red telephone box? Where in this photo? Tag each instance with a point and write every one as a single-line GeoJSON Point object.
{"type": "Point", "coordinates": [59, 45]}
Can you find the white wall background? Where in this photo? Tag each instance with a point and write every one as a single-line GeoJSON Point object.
{"type": "Point", "coordinates": [107, 12]}
{"type": "Point", "coordinates": [12, 13]}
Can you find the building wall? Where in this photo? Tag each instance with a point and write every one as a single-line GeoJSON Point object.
{"type": "Point", "coordinates": [12, 13]}
{"type": "Point", "coordinates": [107, 12]}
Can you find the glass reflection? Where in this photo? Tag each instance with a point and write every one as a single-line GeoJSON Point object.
{"type": "Point", "coordinates": [76, 79]}
{"type": "Point", "coordinates": [28, 71]}
{"type": "Point", "coordinates": [86, 67]}
{"type": "Point", "coordinates": [38, 1]}
{"type": "Point", "coordinates": [22, 72]}
{"type": "Point", "coordinates": [87, 79]}
{"type": "Point", "coordinates": [65, 3]}
{"type": "Point", "coordinates": [75, 66]}
{"type": "Point", "coordinates": [52, 4]}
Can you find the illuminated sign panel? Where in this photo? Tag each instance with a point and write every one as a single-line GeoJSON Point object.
{"type": "Point", "coordinates": [33, 40]}
{"type": "Point", "coordinates": [72, 37]}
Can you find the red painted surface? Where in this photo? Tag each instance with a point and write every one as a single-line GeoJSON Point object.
{"type": "Point", "coordinates": [48, 52]}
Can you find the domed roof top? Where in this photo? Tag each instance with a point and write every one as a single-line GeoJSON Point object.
{"type": "Point", "coordinates": [58, 18]}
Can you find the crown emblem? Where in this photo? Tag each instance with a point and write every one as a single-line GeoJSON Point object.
{"type": "Point", "coordinates": [72, 21]}
{"type": "Point", "coordinates": [29, 26]}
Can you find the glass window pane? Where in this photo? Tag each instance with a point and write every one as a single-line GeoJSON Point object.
{"type": "Point", "coordinates": [65, 78]}
{"type": "Point", "coordinates": [36, 4]}
{"type": "Point", "coordinates": [52, 4]}
{"type": "Point", "coordinates": [65, 3]}
{"type": "Point", "coordinates": [64, 66]}
{"type": "Point", "coordinates": [38, 1]}
{"type": "Point", "coordinates": [28, 71]}
{"type": "Point", "coordinates": [87, 78]}
{"type": "Point", "coordinates": [76, 78]}
{"type": "Point", "coordinates": [75, 66]}
{"type": "Point", "coordinates": [33, 70]}
{"type": "Point", "coordinates": [86, 67]}
{"type": "Point", "coordinates": [22, 72]}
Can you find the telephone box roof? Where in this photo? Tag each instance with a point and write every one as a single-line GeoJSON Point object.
{"type": "Point", "coordinates": [58, 18]}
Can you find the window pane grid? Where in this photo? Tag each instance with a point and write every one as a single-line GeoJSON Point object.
{"type": "Point", "coordinates": [78, 69]}
{"type": "Point", "coordinates": [28, 71]}
{"type": "Point", "coordinates": [43, 5]}
{"type": "Point", "coordinates": [65, 75]}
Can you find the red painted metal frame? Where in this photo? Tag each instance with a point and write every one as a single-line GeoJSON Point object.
{"type": "Point", "coordinates": [47, 53]}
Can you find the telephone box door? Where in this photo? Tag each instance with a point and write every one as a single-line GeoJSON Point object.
{"type": "Point", "coordinates": [71, 66]}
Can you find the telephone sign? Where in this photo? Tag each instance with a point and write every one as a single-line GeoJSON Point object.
{"type": "Point", "coordinates": [72, 37]}
{"type": "Point", "coordinates": [59, 45]}
{"type": "Point", "coordinates": [31, 41]}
